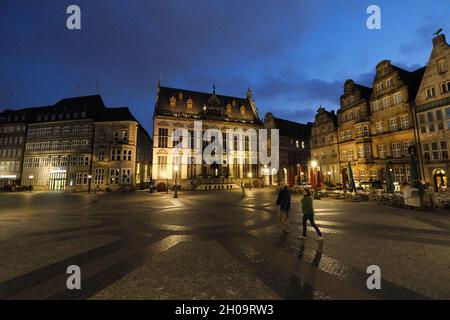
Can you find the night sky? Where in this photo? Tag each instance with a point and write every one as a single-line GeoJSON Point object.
{"type": "Point", "coordinates": [295, 55]}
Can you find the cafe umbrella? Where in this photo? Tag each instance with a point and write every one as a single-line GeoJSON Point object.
{"type": "Point", "coordinates": [390, 188]}
{"type": "Point", "coordinates": [351, 179]}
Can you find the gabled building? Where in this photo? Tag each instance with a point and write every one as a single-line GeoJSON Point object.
{"type": "Point", "coordinates": [391, 106]}
{"type": "Point", "coordinates": [433, 115]}
{"type": "Point", "coordinates": [325, 145]}
{"type": "Point", "coordinates": [354, 131]}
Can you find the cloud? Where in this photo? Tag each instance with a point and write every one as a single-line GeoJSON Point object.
{"type": "Point", "coordinates": [421, 40]}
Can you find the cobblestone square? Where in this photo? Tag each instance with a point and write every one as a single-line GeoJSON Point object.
{"type": "Point", "coordinates": [215, 245]}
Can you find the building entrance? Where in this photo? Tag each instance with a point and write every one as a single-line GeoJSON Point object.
{"type": "Point", "coordinates": [57, 181]}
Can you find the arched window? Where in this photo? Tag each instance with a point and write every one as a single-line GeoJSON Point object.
{"type": "Point", "coordinates": [229, 108]}
{"type": "Point", "coordinates": [243, 110]}
{"type": "Point", "coordinates": [189, 104]}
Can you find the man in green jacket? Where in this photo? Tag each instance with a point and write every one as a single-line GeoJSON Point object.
{"type": "Point", "coordinates": [308, 213]}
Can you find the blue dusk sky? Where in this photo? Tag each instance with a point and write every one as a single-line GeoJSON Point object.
{"type": "Point", "coordinates": [294, 54]}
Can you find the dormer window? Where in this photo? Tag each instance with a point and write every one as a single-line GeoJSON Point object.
{"type": "Point", "coordinates": [243, 110]}
{"type": "Point", "coordinates": [189, 104]}
{"type": "Point", "coordinates": [229, 108]}
{"type": "Point", "coordinates": [173, 102]}
{"type": "Point", "coordinates": [442, 65]}
{"type": "Point", "coordinates": [389, 83]}
{"type": "Point", "coordinates": [380, 86]}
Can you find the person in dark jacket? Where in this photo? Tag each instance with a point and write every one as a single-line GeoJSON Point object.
{"type": "Point", "coordinates": [308, 213]}
{"type": "Point", "coordinates": [284, 202]}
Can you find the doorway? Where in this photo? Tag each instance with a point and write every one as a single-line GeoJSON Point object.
{"type": "Point", "coordinates": [57, 181]}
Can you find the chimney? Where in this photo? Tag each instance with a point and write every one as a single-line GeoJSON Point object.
{"type": "Point", "coordinates": [439, 39]}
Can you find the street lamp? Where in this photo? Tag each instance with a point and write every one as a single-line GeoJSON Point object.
{"type": "Point", "coordinates": [176, 186]}
{"type": "Point", "coordinates": [89, 183]}
{"type": "Point", "coordinates": [250, 177]}
{"type": "Point", "coordinates": [314, 165]}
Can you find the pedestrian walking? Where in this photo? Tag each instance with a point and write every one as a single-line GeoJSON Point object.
{"type": "Point", "coordinates": [308, 213]}
{"type": "Point", "coordinates": [284, 202]}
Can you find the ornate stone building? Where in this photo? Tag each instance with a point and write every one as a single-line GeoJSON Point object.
{"type": "Point", "coordinates": [375, 127]}
{"type": "Point", "coordinates": [394, 92]}
{"type": "Point", "coordinates": [61, 153]}
{"type": "Point", "coordinates": [325, 145]}
{"type": "Point", "coordinates": [354, 131]}
{"type": "Point", "coordinates": [294, 151]}
{"type": "Point", "coordinates": [181, 109]}
{"type": "Point", "coordinates": [433, 115]}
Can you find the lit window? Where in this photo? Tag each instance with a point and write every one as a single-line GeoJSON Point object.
{"type": "Point", "coordinates": [173, 102]}
{"type": "Point", "coordinates": [397, 98]}
{"type": "Point", "coordinates": [396, 150]}
{"type": "Point", "coordinates": [393, 124]}
{"type": "Point", "coordinates": [404, 121]}
{"type": "Point", "coordinates": [389, 83]}
{"type": "Point", "coordinates": [381, 151]}
{"type": "Point", "coordinates": [386, 102]}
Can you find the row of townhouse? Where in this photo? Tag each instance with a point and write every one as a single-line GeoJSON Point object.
{"type": "Point", "coordinates": [375, 128]}
{"type": "Point", "coordinates": [76, 144]}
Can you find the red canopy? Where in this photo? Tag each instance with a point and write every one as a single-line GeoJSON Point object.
{"type": "Point", "coordinates": [319, 179]}
{"type": "Point", "coordinates": [312, 179]}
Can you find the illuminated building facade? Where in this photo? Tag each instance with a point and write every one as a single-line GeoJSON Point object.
{"type": "Point", "coordinates": [181, 109]}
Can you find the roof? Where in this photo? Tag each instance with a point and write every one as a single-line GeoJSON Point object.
{"type": "Point", "coordinates": [216, 105]}
{"type": "Point", "coordinates": [366, 92]}
{"type": "Point", "coordinates": [411, 79]}
{"type": "Point", "coordinates": [351, 87]}
{"type": "Point", "coordinates": [414, 80]}
{"type": "Point", "coordinates": [292, 129]}
{"type": "Point", "coordinates": [93, 106]}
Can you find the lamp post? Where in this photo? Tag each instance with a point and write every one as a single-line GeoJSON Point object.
{"type": "Point", "coordinates": [175, 195]}
{"type": "Point", "coordinates": [89, 183]}
{"type": "Point", "coordinates": [316, 191]}
{"type": "Point", "coordinates": [31, 177]}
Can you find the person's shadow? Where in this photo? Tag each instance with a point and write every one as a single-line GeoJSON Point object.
{"type": "Point", "coordinates": [304, 289]}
